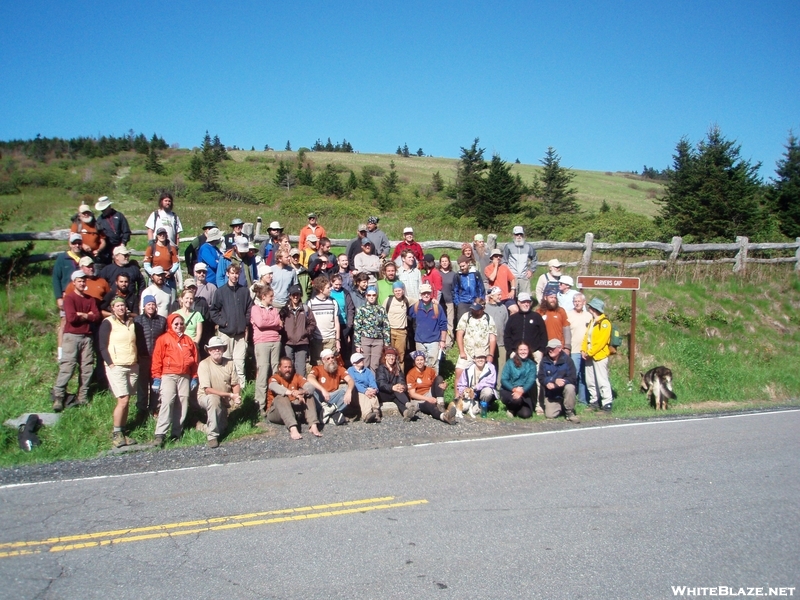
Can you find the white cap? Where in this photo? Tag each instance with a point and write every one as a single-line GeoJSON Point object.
{"type": "Point", "coordinates": [189, 281]}
{"type": "Point", "coordinates": [77, 275]}
{"type": "Point", "coordinates": [567, 280]}
{"type": "Point", "coordinates": [201, 266]}
{"type": "Point", "coordinates": [312, 238]}
{"type": "Point", "coordinates": [84, 208]}
{"type": "Point", "coordinates": [242, 244]}
{"type": "Point", "coordinates": [157, 271]}
{"type": "Point", "coordinates": [275, 225]}
{"type": "Point", "coordinates": [121, 250]}
{"type": "Point", "coordinates": [326, 353]}
{"type": "Point", "coordinates": [518, 230]}
{"type": "Point", "coordinates": [408, 230]}
{"type": "Point", "coordinates": [213, 234]}
{"type": "Point", "coordinates": [85, 261]}
{"type": "Point", "coordinates": [356, 357]}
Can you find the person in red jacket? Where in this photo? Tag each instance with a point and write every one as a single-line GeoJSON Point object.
{"type": "Point", "coordinates": [408, 243]}
{"type": "Point", "coordinates": [174, 371]}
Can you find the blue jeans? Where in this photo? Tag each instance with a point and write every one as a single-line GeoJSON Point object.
{"type": "Point", "coordinates": [337, 397]}
{"type": "Point", "coordinates": [580, 369]}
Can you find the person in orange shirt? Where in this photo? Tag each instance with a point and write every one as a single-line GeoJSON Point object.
{"type": "Point", "coordinates": [311, 228]}
{"type": "Point", "coordinates": [555, 318]}
{"type": "Point", "coordinates": [162, 253]}
{"type": "Point", "coordinates": [96, 287]}
{"type": "Point", "coordinates": [499, 275]}
{"type": "Point", "coordinates": [289, 394]}
{"type": "Point", "coordinates": [93, 240]}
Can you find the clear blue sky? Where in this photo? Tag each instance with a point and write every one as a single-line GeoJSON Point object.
{"type": "Point", "coordinates": [611, 85]}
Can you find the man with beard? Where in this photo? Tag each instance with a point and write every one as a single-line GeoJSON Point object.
{"type": "Point", "coordinates": [113, 225]}
{"type": "Point", "coordinates": [120, 289]}
{"type": "Point", "coordinates": [164, 217]}
{"type": "Point", "coordinates": [521, 259]}
{"type": "Point", "coordinates": [205, 289]}
{"type": "Point", "coordinates": [378, 238]}
{"type": "Point", "coordinates": [163, 295]}
{"type": "Point", "coordinates": [386, 285]}
{"type": "Point", "coordinates": [553, 276]}
{"type": "Point", "coordinates": [270, 246]}
{"type": "Point", "coordinates": [93, 241]}
{"type": "Point", "coordinates": [555, 318]}
{"type": "Point", "coordinates": [283, 277]}
{"type": "Point", "coordinates": [334, 387]}
{"type": "Point", "coordinates": [525, 326]}
{"type": "Point", "coordinates": [289, 396]}
{"type": "Point", "coordinates": [122, 263]}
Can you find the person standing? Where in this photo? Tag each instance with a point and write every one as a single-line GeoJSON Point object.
{"type": "Point", "coordinates": [266, 322]}
{"type": "Point", "coordinates": [81, 312]}
{"type": "Point", "coordinates": [93, 241]}
{"type": "Point", "coordinates": [298, 329]}
{"type": "Point", "coordinates": [327, 334]}
{"type": "Point", "coordinates": [396, 307]}
{"type": "Point", "coordinates": [174, 372]}
{"type": "Point", "coordinates": [410, 275]}
{"type": "Point", "coordinates": [367, 261]}
{"type": "Point", "coordinates": [371, 330]}
{"type": "Point", "coordinates": [283, 277]}
{"type": "Point", "coordinates": [448, 279]}
{"type": "Point", "coordinates": [205, 289]}
{"type": "Point", "coordinates": [210, 254]}
{"type": "Point", "coordinates": [236, 231]}
{"type": "Point", "coordinates": [66, 265]}
{"type": "Point", "coordinates": [149, 326]}
{"type": "Point", "coordinates": [122, 263]}
{"type": "Point", "coordinates": [500, 276]}
{"type": "Point", "coordinates": [430, 326]}
{"type": "Point", "coordinates": [192, 249]}
{"type": "Point", "coordinates": [408, 243]}
{"type": "Point", "coordinates": [579, 321]}
{"type": "Point", "coordinates": [114, 226]}
{"type": "Point", "coordinates": [164, 217]}
{"type": "Point", "coordinates": [482, 257]}
{"type": "Point", "coordinates": [270, 245]}
{"type": "Point", "coordinates": [552, 277]}
{"type": "Point", "coordinates": [231, 313]}
{"type": "Point", "coordinates": [595, 350]}
{"type": "Point", "coordinates": [354, 245]}
{"type": "Point", "coordinates": [499, 313]}
{"type": "Point", "coordinates": [117, 342]}
{"type": "Point", "coordinates": [164, 296]}
{"type": "Point", "coordinates": [522, 260]}
{"type": "Point", "coordinates": [378, 238]}
{"type": "Point", "coordinates": [466, 288]}
{"type": "Point", "coordinates": [162, 253]}
{"type": "Point", "coordinates": [313, 228]}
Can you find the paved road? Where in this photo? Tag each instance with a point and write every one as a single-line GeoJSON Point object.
{"type": "Point", "coordinates": [617, 512]}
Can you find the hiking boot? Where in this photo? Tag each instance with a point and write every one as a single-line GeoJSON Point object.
{"type": "Point", "coordinates": [378, 416]}
{"type": "Point", "coordinates": [327, 409]}
{"type": "Point", "coordinates": [572, 417]}
{"type": "Point", "coordinates": [130, 441]}
{"type": "Point", "coordinates": [440, 406]}
{"type": "Point", "coordinates": [58, 405]}
{"type": "Point", "coordinates": [118, 439]}
{"type": "Point", "coordinates": [412, 408]}
{"type": "Point", "coordinates": [160, 440]}
{"type": "Point", "coordinates": [593, 406]}
{"type": "Point", "coordinates": [202, 427]}
{"type": "Point", "coordinates": [338, 418]}
{"type": "Point", "coordinates": [449, 416]}
{"type": "Point", "coordinates": [510, 414]}
{"type": "Point", "coordinates": [606, 407]}
{"type": "Point", "coordinates": [213, 443]}
{"type": "Point", "coordinates": [371, 417]}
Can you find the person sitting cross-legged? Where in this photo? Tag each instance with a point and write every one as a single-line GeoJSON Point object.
{"type": "Point", "coordinates": [366, 389]}
{"type": "Point", "coordinates": [219, 391]}
{"type": "Point", "coordinates": [334, 387]}
{"type": "Point", "coordinates": [476, 385]}
{"type": "Point", "coordinates": [427, 388]}
{"type": "Point", "coordinates": [291, 396]}
{"type": "Point", "coordinates": [557, 379]}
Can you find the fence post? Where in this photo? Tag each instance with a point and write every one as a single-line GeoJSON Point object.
{"type": "Point", "coordinates": [247, 231]}
{"type": "Point", "coordinates": [676, 242]}
{"type": "Point", "coordinates": [258, 228]}
{"type": "Point", "coordinates": [491, 242]}
{"type": "Point", "coordinates": [586, 260]}
{"type": "Point", "coordinates": [797, 256]}
{"type": "Point", "coordinates": [741, 256]}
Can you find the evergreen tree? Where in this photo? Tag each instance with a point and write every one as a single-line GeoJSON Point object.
{"type": "Point", "coordinates": [140, 144]}
{"type": "Point", "coordinates": [284, 176]}
{"type": "Point", "coordinates": [469, 180]}
{"type": "Point", "coordinates": [711, 192]}
{"type": "Point", "coordinates": [196, 167]}
{"type": "Point", "coordinates": [367, 181]}
{"type": "Point", "coordinates": [500, 195]}
{"type": "Point", "coordinates": [209, 156]}
{"type": "Point", "coordinates": [437, 183]}
{"type": "Point", "coordinates": [328, 182]}
{"type": "Point", "coordinates": [329, 146]}
{"type": "Point", "coordinates": [391, 181]}
{"type": "Point", "coordinates": [152, 165]}
{"type": "Point", "coordinates": [784, 194]}
{"type": "Point", "coordinates": [352, 182]}
{"type": "Point", "coordinates": [405, 151]}
{"type": "Point", "coordinates": [420, 152]}
{"type": "Point", "coordinates": [304, 174]}
{"type": "Point", "coordinates": [288, 146]}
{"type": "Point", "coordinates": [557, 197]}
{"type": "Point", "coordinates": [399, 151]}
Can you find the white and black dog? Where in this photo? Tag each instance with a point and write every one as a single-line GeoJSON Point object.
{"type": "Point", "coordinates": [657, 383]}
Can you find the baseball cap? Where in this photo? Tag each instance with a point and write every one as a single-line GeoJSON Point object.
{"type": "Point", "coordinates": [478, 237]}
{"type": "Point", "coordinates": [75, 237]}
{"type": "Point", "coordinates": [364, 242]}
{"type": "Point", "coordinates": [189, 282]}
{"type": "Point", "coordinates": [476, 306]}
{"type": "Point", "coordinates": [77, 275]}
{"type": "Point", "coordinates": [497, 252]}
{"type": "Point", "coordinates": [295, 289]}
{"type": "Point", "coordinates": [554, 343]}
{"type": "Point", "coordinates": [312, 238]}
{"type": "Point", "coordinates": [121, 250]}
{"type": "Point", "coordinates": [312, 215]}
{"type": "Point", "coordinates": [362, 227]}
{"type": "Point", "coordinates": [326, 353]}
{"type": "Point", "coordinates": [518, 230]}
{"type": "Point", "coordinates": [425, 287]}
{"type": "Point", "coordinates": [161, 230]}
{"type": "Point", "coordinates": [494, 290]}
{"type": "Point", "coordinates": [85, 261]}
{"type": "Point", "coordinates": [408, 230]}
{"type": "Point", "coordinates": [242, 244]}
{"type": "Point", "coordinates": [429, 258]}
{"type": "Point", "coordinates": [157, 271]}
{"type": "Point", "coordinates": [148, 299]}
{"type": "Point", "coordinates": [524, 297]}
{"type": "Point", "coordinates": [200, 267]}
{"type": "Point", "coordinates": [117, 300]}
{"type": "Point", "coordinates": [84, 208]}
{"type": "Point", "coordinates": [356, 358]}
{"type": "Point", "coordinates": [294, 252]}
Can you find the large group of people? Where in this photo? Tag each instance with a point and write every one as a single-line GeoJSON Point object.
{"type": "Point", "coordinates": [332, 338]}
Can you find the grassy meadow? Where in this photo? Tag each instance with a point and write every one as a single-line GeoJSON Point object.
{"type": "Point", "coordinates": [733, 342]}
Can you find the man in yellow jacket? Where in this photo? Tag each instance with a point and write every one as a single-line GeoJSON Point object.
{"type": "Point", "coordinates": [595, 351]}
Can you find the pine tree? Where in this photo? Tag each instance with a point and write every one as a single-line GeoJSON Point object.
{"type": "Point", "coordinates": [420, 152]}
{"type": "Point", "coordinates": [288, 146]}
{"type": "Point", "coordinates": [196, 167]}
{"type": "Point", "coordinates": [304, 174]}
{"type": "Point", "coordinates": [391, 181]}
{"type": "Point", "coordinates": [328, 182]}
{"type": "Point", "coordinates": [399, 151]}
{"type": "Point", "coordinates": [437, 183]}
{"type": "Point", "coordinates": [557, 197]}
{"type": "Point", "coordinates": [500, 195]}
{"type": "Point", "coordinates": [284, 176]}
{"type": "Point", "coordinates": [784, 194]}
{"type": "Point", "coordinates": [367, 181]}
{"type": "Point", "coordinates": [352, 182]}
{"type": "Point", "coordinates": [469, 180]}
{"type": "Point", "coordinates": [152, 165]}
{"type": "Point", "coordinates": [406, 154]}
{"type": "Point", "coordinates": [711, 192]}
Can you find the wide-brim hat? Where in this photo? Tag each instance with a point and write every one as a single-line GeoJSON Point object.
{"type": "Point", "coordinates": [213, 235]}
{"type": "Point", "coordinates": [555, 263]}
{"type": "Point", "coordinates": [236, 221]}
{"type": "Point", "coordinates": [275, 225]}
{"type": "Point", "coordinates": [102, 203]}
{"type": "Point", "coordinates": [216, 342]}
{"type": "Point", "coordinates": [597, 304]}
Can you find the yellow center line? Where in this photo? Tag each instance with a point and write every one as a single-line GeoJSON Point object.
{"type": "Point", "coordinates": [91, 540]}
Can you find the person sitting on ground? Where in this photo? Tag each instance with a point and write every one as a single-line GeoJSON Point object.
{"type": "Point", "coordinates": [174, 371]}
{"type": "Point", "coordinates": [408, 243]}
{"type": "Point", "coordinates": [313, 228]}
{"type": "Point", "coordinates": [113, 225]}
{"type": "Point", "coordinates": [298, 329]}
{"type": "Point", "coordinates": [552, 276]}
{"type": "Point", "coordinates": [237, 225]}
{"type": "Point", "coordinates": [518, 383]}
{"type": "Point", "coordinates": [93, 240]}
{"type": "Point", "coordinates": [149, 326]}
{"type": "Point", "coordinates": [366, 389]}
{"type": "Point", "coordinates": [323, 262]}
{"type": "Point", "coordinates": [219, 392]}
{"type": "Point", "coordinates": [290, 397]}
{"type": "Point", "coordinates": [265, 321]}
{"type": "Point", "coordinates": [427, 388]}
{"type": "Point", "coordinates": [476, 335]}
{"type": "Point", "coordinates": [117, 343]}
{"type": "Point", "coordinates": [334, 388]}
{"type": "Point", "coordinates": [367, 261]}
{"type": "Point", "coordinates": [392, 385]}
{"type": "Point", "coordinates": [556, 375]}
{"type": "Point", "coordinates": [476, 384]}
{"type": "Point", "coordinates": [371, 330]}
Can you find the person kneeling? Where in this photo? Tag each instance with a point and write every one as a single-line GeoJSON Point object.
{"type": "Point", "coordinates": [289, 396]}
{"type": "Point", "coordinates": [475, 386]}
{"type": "Point", "coordinates": [427, 388]}
{"type": "Point", "coordinates": [557, 377]}
{"type": "Point", "coordinates": [518, 383]}
{"type": "Point", "coordinates": [219, 391]}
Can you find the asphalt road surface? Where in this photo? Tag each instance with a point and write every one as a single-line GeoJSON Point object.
{"type": "Point", "coordinates": [626, 511]}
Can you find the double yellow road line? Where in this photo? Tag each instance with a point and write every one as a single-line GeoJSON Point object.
{"type": "Point", "coordinates": [154, 532]}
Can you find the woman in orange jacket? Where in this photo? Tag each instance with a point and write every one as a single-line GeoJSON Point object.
{"type": "Point", "coordinates": [174, 371]}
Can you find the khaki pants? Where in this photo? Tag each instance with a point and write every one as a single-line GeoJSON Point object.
{"type": "Point", "coordinates": [373, 350]}
{"type": "Point", "coordinates": [597, 381]}
{"type": "Point", "coordinates": [236, 350]}
{"type": "Point", "coordinates": [267, 356]}
{"type": "Point", "coordinates": [283, 411]}
{"type": "Point", "coordinates": [76, 351]}
{"type": "Point", "coordinates": [216, 414]}
{"type": "Point", "coordinates": [398, 342]}
{"type": "Point", "coordinates": [367, 404]}
{"type": "Point", "coordinates": [553, 407]}
{"type": "Point", "coordinates": [174, 404]}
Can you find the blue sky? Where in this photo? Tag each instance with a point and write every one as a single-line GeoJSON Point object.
{"type": "Point", "coordinates": [611, 85]}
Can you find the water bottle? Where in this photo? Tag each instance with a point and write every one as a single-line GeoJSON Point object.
{"type": "Point", "coordinates": [484, 408]}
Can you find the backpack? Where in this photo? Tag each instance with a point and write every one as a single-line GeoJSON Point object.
{"type": "Point", "coordinates": [416, 308]}
{"type": "Point", "coordinates": [616, 338]}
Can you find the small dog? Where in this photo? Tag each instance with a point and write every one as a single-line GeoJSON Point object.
{"type": "Point", "coordinates": [467, 402]}
{"type": "Point", "coordinates": [657, 383]}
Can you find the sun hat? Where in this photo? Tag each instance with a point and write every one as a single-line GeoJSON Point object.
{"type": "Point", "coordinates": [102, 203]}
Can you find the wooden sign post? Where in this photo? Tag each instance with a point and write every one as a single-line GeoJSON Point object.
{"type": "Point", "coordinates": [599, 282]}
